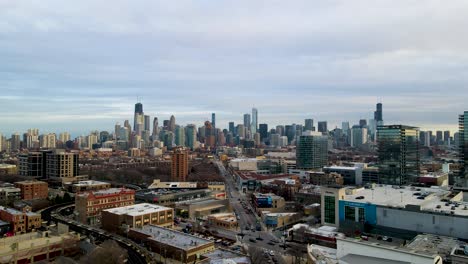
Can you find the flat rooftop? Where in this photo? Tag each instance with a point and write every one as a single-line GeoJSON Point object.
{"type": "Point", "coordinates": [171, 237]}
{"type": "Point", "coordinates": [341, 168]}
{"type": "Point", "coordinates": [90, 183]}
{"type": "Point", "coordinates": [138, 209]}
{"type": "Point", "coordinates": [104, 192]}
{"type": "Point", "coordinates": [429, 199]}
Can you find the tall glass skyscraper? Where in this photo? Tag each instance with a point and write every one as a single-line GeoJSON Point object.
{"type": "Point", "coordinates": [398, 153]}
{"type": "Point", "coordinates": [312, 151]}
{"type": "Point", "coordinates": [138, 112]}
{"type": "Point", "coordinates": [463, 148]}
{"type": "Point", "coordinates": [254, 125]}
{"type": "Point", "coordinates": [247, 121]}
{"type": "Point", "coordinates": [309, 125]}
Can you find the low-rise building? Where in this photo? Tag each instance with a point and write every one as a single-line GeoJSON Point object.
{"type": "Point", "coordinates": [20, 221]}
{"type": "Point", "coordinates": [31, 190]}
{"type": "Point", "coordinates": [323, 179]}
{"type": "Point", "coordinates": [172, 244]}
{"type": "Point", "coordinates": [85, 186]}
{"type": "Point", "coordinates": [351, 175]}
{"type": "Point", "coordinates": [138, 215]}
{"type": "Point", "coordinates": [9, 194]}
{"type": "Point", "coordinates": [202, 207]}
{"type": "Point", "coordinates": [88, 205]}
{"type": "Point", "coordinates": [268, 202]}
{"type": "Point", "coordinates": [223, 220]}
{"type": "Point", "coordinates": [169, 197]}
{"type": "Point", "coordinates": [275, 220]}
{"type": "Point", "coordinates": [38, 246]}
{"type": "Point", "coordinates": [8, 169]}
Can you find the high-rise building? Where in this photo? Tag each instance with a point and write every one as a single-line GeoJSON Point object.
{"type": "Point", "coordinates": [64, 137]}
{"type": "Point", "coordinates": [241, 131]}
{"type": "Point", "coordinates": [169, 139]}
{"type": "Point", "coordinates": [378, 114]}
{"type": "Point", "coordinates": [32, 164]}
{"type": "Point", "coordinates": [247, 121]}
{"type": "Point", "coordinates": [309, 125]}
{"type": "Point", "coordinates": [61, 164]}
{"type": "Point", "coordinates": [345, 127]}
{"type": "Point", "coordinates": [447, 137]}
{"type": "Point", "coordinates": [155, 129]}
{"type": "Point", "coordinates": [290, 132]}
{"type": "Point", "coordinates": [263, 130]}
{"type": "Point", "coordinates": [138, 112]}
{"type": "Point", "coordinates": [147, 122]}
{"type": "Point", "coordinates": [172, 124]}
{"type": "Point", "coordinates": [358, 136]}
{"type": "Point", "coordinates": [312, 151]}
{"type": "Point", "coordinates": [117, 131]}
{"type": "Point", "coordinates": [398, 154]}
{"type": "Point", "coordinates": [280, 130]}
{"type": "Point", "coordinates": [322, 126]}
{"type": "Point", "coordinates": [439, 137]}
{"type": "Point", "coordinates": [15, 142]}
{"type": "Point", "coordinates": [362, 122]}
{"type": "Point", "coordinates": [232, 128]}
{"type": "Point", "coordinates": [213, 119]}
{"type": "Point", "coordinates": [463, 149]}
{"type": "Point", "coordinates": [179, 166]}
{"type": "Point", "coordinates": [254, 125]}
{"type": "Point", "coordinates": [210, 135]}
{"type": "Point", "coordinates": [191, 136]}
{"type": "Point", "coordinates": [180, 136]}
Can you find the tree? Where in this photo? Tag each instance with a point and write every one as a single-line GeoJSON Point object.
{"type": "Point", "coordinates": [58, 199]}
{"type": "Point", "coordinates": [256, 255]}
{"type": "Point", "coordinates": [109, 252]}
{"type": "Point", "coordinates": [67, 198]}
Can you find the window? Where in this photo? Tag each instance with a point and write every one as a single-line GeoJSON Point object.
{"type": "Point", "coordinates": [350, 213]}
{"type": "Point", "coordinates": [362, 214]}
{"type": "Point", "coordinates": [329, 209]}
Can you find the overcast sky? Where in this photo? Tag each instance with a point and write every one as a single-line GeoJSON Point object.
{"type": "Point", "coordinates": [80, 65]}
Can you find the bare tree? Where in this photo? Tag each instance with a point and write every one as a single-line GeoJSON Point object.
{"type": "Point", "coordinates": [256, 255]}
{"type": "Point", "coordinates": [109, 252]}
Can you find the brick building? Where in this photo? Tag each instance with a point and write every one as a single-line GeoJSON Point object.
{"type": "Point", "coordinates": [20, 221]}
{"type": "Point", "coordinates": [31, 190]}
{"type": "Point", "coordinates": [88, 205]}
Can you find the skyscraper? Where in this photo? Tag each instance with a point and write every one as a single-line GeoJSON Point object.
{"type": "Point", "coordinates": [439, 137]}
{"type": "Point", "coordinates": [172, 124]}
{"type": "Point", "coordinates": [247, 121]}
{"type": "Point", "coordinates": [398, 154]}
{"type": "Point", "coordinates": [362, 122]}
{"type": "Point", "coordinates": [254, 125]}
{"type": "Point", "coordinates": [447, 137]}
{"type": "Point", "coordinates": [358, 136]}
{"type": "Point", "coordinates": [263, 130]}
{"type": "Point", "coordinates": [312, 151]}
{"type": "Point", "coordinates": [232, 128]}
{"type": "Point", "coordinates": [191, 136]}
{"type": "Point", "coordinates": [180, 136]}
{"type": "Point", "coordinates": [213, 119]}
{"type": "Point", "coordinates": [322, 126]}
{"type": "Point", "coordinates": [155, 129]}
{"type": "Point", "coordinates": [309, 125]}
{"type": "Point", "coordinates": [378, 114]}
{"type": "Point", "coordinates": [147, 122]}
{"type": "Point", "coordinates": [138, 111]}
{"type": "Point", "coordinates": [463, 149]}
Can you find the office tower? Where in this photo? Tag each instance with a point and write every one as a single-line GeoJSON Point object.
{"type": "Point", "coordinates": [263, 130]}
{"type": "Point", "coordinates": [64, 137]}
{"type": "Point", "coordinates": [210, 138]}
{"type": "Point", "coordinates": [180, 136]}
{"type": "Point", "coordinates": [169, 139]}
{"type": "Point", "coordinates": [213, 119]}
{"type": "Point", "coordinates": [247, 121]}
{"type": "Point", "coordinates": [439, 137]}
{"type": "Point", "coordinates": [312, 151]}
{"type": "Point", "coordinates": [61, 164]}
{"type": "Point", "coordinates": [322, 126]}
{"type": "Point", "coordinates": [138, 112]}
{"type": "Point", "coordinates": [362, 122]}
{"type": "Point", "coordinates": [232, 128]}
{"type": "Point", "coordinates": [257, 139]}
{"type": "Point", "coordinates": [274, 140]}
{"type": "Point", "coordinates": [191, 136]}
{"type": "Point", "coordinates": [358, 136]}
{"type": "Point", "coordinates": [283, 141]}
{"type": "Point", "coordinates": [172, 124]}
{"type": "Point", "coordinates": [289, 132]}
{"type": "Point", "coordinates": [1, 142]}
{"type": "Point", "coordinates": [47, 140]}
{"type": "Point", "coordinates": [447, 137]}
{"type": "Point", "coordinates": [117, 131]}
{"type": "Point", "coordinates": [345, 127]}
{"type": "Point", "coordinates": [309, 125]}
{"type": "Point", "coordinates": [166, 124]}
{"type": "Point", "coordinates": [378, 115]}
{"type": "Point", "coordinates": [280, 130]}
{"type": "Point", "coordinates": [398, 154]}
{"type": "Point", "coordinates": [299, 130]}
{"type": "Point", "coordinates": [241, 131]}
{"type": "Point", "coordinates": [15, 142]}
{"type": "Point", "coordinates": [147, 122]}
{"type": "Point", "coordinates": [463, 149]}
{"type": "Point", "coordinates": [91, 140]}
{"type": "Point", "coordinates": [254, 125]}
{"type": "Point", "coordinates": [104, 136]}
{"type": "Point", "coordinates": [124, 134]}
{"type": "Point", "coordinates": [179, 166]}
{"type": "Point", "coordinates": [128, 126]}
{"type": "Point", "coordinates": [155, 134]}
{"type": "Point", "coordinates": [145, 138]}
{"type": "Point", "coordinates": [221, 139]}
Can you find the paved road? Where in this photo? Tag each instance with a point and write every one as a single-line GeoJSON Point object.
{"type": "Point", "coordinates": [247, 219]}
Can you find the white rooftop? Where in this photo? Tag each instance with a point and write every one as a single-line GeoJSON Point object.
{"type": "Point", "coordinates": [173, 238]}
{"type": "Point", "coordinates": [341, 168]}
{"type": "Point", "coordinates": [138, 209]}
{"type": "Point", "coordinates": [393, 196]}
{"type": "Point", "coordinates": [89, 183]}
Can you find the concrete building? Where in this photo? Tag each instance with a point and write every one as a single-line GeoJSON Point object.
{"type": "Point", "coordinates": [179, 166]}
{"type": "Point", "coordinates": [169, 197]}
{"type": "Point", "coordinates": [9, 194]}
{"type": "Point", "coordinates": [89, 205]}
{"type": "Point", "coordinates": [31, 190]}
{"type": "Point", "coordinates": [36, 247]}
{"type": "Point", "coordinates": [20, 221]}
{"type": "Point", "coordinates": [275, 220]}
{"type": "Point", "coordinates": [351, 175]}
{"type": "Point", "coordinates": [202, 207]}
{"type": "Point", "coordinates": [8, 169]}
{"type": "Point", "coordinates": [268, 202]}
{"type": "Point", "coordinates": [312, 151]}
{"type": "Point", "coordinates": [32, 164]}
{"type": "Point", "coordinates": [86, 186]}
{"type": "Point", "coordinates": [136, 216]}
{"type": "Point", "coordinates": [172, 244]}
{"type": "Point", "coordinates": [223, 220]}
{"type": "Point", "coordinates": [324, 179]}
{"type": "Point", "coordinates": [61, 165]}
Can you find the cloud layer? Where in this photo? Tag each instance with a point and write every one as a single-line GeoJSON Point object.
{"type": "Point", "coordinates": [81, 65]}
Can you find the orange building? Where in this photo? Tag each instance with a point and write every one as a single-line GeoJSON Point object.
{"type": "Point", "coordinates": [89, 205]}
{"type": "Point", "coordinates": [31, 190]}
{"type": "Point", "coordinates": [21, 221]}
{"type": "Point", "coordinates": [179, 169]}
